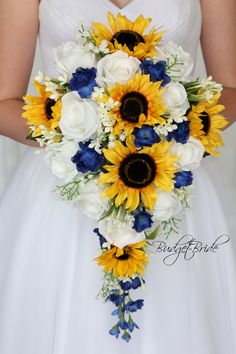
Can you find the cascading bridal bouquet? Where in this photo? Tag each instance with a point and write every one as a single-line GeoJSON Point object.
{"type": "Point", "coordinates": [124, 126]}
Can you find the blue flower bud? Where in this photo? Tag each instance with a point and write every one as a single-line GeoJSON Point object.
{"type": "Point", "coordinates": [126, 336]}
{"type": "Point", "coordinates": [125, 285]}
{"type": "Point", "coordinates": [115, 299]}
{"type": "Point", "coordinates": [136, 283]}
{"type": "Point", "coordinates": [132, 325]}
{"type": "Point", "coordinates": [134, 306]}
{"type": "Point", "coordinates": [117, 312]}
{"type": "Point", "coordinates": [123, 325]}
{"type": "Point", "coordinates": [115, 331]}
{"type": "Point", "coordinates": [101, 238]}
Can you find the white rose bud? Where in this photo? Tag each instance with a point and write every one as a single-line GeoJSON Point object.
{"type": "Point", "coordinates": [119, 233]}
{"type": "Point", "coordinates": [58, 159]}
{"type": "Point", "coordinates": [175, 97]}
{"type": "Point", "coordinates": [182, 70]}
{"type": "Point", "coordinates": [116, 68]}
{"type": "Point", "coordinates": [70, 55]}
{"type": "Point", "coordinates": [190, 154]}
{"type": "Point", "coordinates": [166, 207]}
{"type": "Point", "coordinates": [79, 119]}
{"type": "Point", "coordinates": [90, 202]}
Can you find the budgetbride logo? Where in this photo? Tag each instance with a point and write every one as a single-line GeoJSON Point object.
{"type": "Point", "coordinates": [187, 247]}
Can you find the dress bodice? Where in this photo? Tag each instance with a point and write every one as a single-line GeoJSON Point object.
{"type": "Point", "coordinates": [180, 19]}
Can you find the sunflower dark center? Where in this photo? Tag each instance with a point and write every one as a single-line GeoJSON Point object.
{"type": "Point", "coordinates": [130, 38]}
{"type": "Point", "coordinates": [132, 105]}
{"type": "Point", "coordinates": [48, 108]}
{"type": "Point", "coordinates": [137, 170]}
{"type": "Point", "coordinates": [205, 122]}
{"type": "Point", "coordinates": [125, 255]}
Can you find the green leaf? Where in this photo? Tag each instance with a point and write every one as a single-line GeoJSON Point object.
{"type": "Point", "coordinates": [107, 213]}
{"type": "Point", "coordinates": [154, 234]}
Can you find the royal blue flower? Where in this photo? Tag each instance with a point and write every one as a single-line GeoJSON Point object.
{"type": "Point", "coordinates": [156, 71]}
{"type": "Point", "coordinates": [184, 178]}
{"type": "Point", "coordinates": [145, 136]}
{"type": "Point", "coordinates": [133, 284]}
{"type": "Point", "coordinates": [117, 312]}
{"type": "Point", "coordinates": [87, 159]}
{"type": "Point", "coordinates": [142, 220]}
{"type": "Point", "coordinates": [125, 285]}
{"type": "Point", "coordinates": [115, 331]}
{"type": "Point", "coordinates": [102, 240]}
{"type": "Point", "coordinates": [133, 306]}
{"type": "Point", "coordinates": [83, 81]}
{"type": "Point", "coordinates": [132, 325]}
{"type": "Point", "coordinates": [126, 336]}
{"type": "Point", "coordinates": [123, 324]}
{"type": "Point", "coordinates": [115, 299]}
{"type": "Point", "coordinates": [136, 283]}
{"type": "Point", "coordinates": [181, 134]}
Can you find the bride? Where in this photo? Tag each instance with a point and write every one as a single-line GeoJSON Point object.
{"type": "Point", "coordinates": [48, 279]}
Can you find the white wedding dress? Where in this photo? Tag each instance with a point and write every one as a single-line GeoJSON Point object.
{"type": "Point", "coordinates": [48, 276]}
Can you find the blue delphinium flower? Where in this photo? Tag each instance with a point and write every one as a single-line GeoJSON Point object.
{"type": "Point", "coordinates": [184, 178]}
{"type": "Point", "coordinates": [87, 159]}
{"type": "Point", "coordinates": [115, 331]}
{"type": "Point", "coordinates": [136, 283]}
{"type": "Point", "coordinates": [126, 336]}
{"type": "Point", "coordinates": [145, 136]}
{"type": "Point", "coordinates": [123, 325]}
{"type": "Point", "coordinates": [125, 285]}
{"type": "Point", "coordinates": [133, 284]}
{"type": "Point", "coordinates": [133, 306]}
{"type": "Point", "coordinates": [156, 71]}
{"type": "Point", "coordinates": [142, 220]}
{"type": "Point", "coordinates": [83, 81]}
{"type": "Point", "coordinates": [132, 325]}
{"type": "Point", "coordinates": [102, 240]}
{"type": "Point", "coordinates": [115, 299]}
{"type": "Point", "coordinates": [181, 134]}
{"type": "Point", "coordinates": [117, 312]}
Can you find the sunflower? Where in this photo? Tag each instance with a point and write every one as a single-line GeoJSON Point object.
{"type": "Point", "coordinates": [206, 124]}
{"type": "Point", "coordinates": [42, 110]}
{"type": "Point", "coordinates": [128, 36]}
{"type": "Point", "coordinates": [125, 261]}
{"type": "Point", "coordinates": [134, 174]}
{"type": "Point", "coordinates": [140, 103]}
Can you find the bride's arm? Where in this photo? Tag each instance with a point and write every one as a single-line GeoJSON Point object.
{"type": "Point", "coordinates": [18, 35]}
{"type": "Point", "coordinates": [219, 48]}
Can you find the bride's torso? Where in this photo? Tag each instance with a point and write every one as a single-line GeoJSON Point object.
{"type": "Point", "coordinates": [181, 20]}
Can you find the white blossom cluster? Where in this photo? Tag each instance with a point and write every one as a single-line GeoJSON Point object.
{"type": "Point", "coordinates": [85, 38]}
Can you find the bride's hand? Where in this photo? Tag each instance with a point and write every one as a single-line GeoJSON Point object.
{"type": "Point", "coordinates": [18, 36]}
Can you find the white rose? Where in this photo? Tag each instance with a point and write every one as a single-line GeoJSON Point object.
{"type": "Point", "coordinates": [116, 68]}
{"type": "Point", "coordinates": [58, 159]}
{"type": "Point", "coordinates": [79, 119]}
{"type": "Point", "coordinates": [119, 233]}
{"type": "Point", "coordinates": [171, 50]}
{"type": "Point", "coordinates": [90, 201]}
{"type": "Point", "coordinates": [190, 154]}
{"type": "Point", "coordinates": [167, 206]}
{"type": "Point", "coordinates": [70, 55]}
{"type": "Point", "coordinates": [175, 97]}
